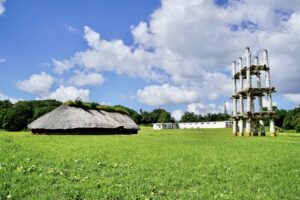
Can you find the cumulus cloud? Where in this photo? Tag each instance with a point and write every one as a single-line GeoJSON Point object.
{"type": "Point", "coordinates": [283, 47]}
{"type": "Point", "coordinates": [215, 85]}
{"type": "Point", "coordinates": [156, 95]}
{"type": "Point", "coordinates": [294, 98]}
{"type": "Point", "coordinates": [2, 60]}
{"type": "Point", "coordinates": [186, 47]}
{"type": "Point", "coordinates": [141, 35]}
{"type": "Point", "coordinates": [38, 84]}
{"type": "Point", "coordinates": [83, 79]}
{"type": "Point", "coordinates": [63, 93]}
{"type": "Point", "coordinates": [61, 66]}
{"type": "Point", "coordinates": [103, 55]}
{"type": "Point", "coordinates": [11, 99]}
{"type": "Point", "coordinates": [200, 108]}
{"type": "Point", "coordinates": [203, 109]}
{"type": "Point", "coordinates": [2, 6]}
{"type": "Point", "coordinates": [177, 114]}
{"type": "Point", "coordinates": [202, 37]}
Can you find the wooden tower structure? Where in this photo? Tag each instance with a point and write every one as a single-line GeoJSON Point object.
{"type": "Point", "coordinates": [250, 121]}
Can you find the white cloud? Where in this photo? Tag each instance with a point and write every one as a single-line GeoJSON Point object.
{"type": "Point", "coordinates": [199, 108]}
{"type": "Point", "coordinates": [187, 47]}
{"type": "Point", "coordinates": [63, 93]}
{"type": "Point", "coordinates": [213, 86]}
{"type": "Point", "coordinates": [2, 60]}
{"type": "Point", "coordinates": [61, 65]}
{"type": "Point", "coordinates": [82, 79]}
{"type": "Point", "coordinates": [141, 35]}
{"type": "Point", "coordinates": [177, 114]}
{"type": "Point", "coordinates": [198, 37]}
{"type": "Point", "coordinates": [38, 84]}
{"type": "Point", "coordinates": [294, 98]}
{"type": "Point", "coordinates": [11, 99]}
{"type": "Point", "coordinates": [92, 37]}
{"type": "Point", "coordinates": [156, 95]}
{"type": "Point", "coordinates": [2, 6]}
{"type": "Point", "coordinates": [203, 109]}
{"type": "Point", "coordinates": [113, 55]}
{"type": "Point", "coordinates": [71, 29]}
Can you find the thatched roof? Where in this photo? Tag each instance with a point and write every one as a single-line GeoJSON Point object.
{"type": "Point", "coordinates": [67, 117]}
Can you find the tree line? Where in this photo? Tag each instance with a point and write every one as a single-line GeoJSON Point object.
{"type": "Point", "coordinates": [16, 117]}
{"type": "Point", "coordinates": [288, 119]}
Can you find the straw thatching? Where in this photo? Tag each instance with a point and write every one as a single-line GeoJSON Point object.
{"type": "Point", "coordinates": [73, 120]}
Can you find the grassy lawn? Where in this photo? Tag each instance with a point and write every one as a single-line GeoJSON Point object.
{"type": "Point", "coordinates": [169, 164]}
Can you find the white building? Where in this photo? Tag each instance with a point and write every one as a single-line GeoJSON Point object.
{"type": "Point", "coordinates": [158, 126]}
{"type": "Point", "coordinates": [193, 125]}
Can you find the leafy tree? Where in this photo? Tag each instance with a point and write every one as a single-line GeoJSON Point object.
{"type": "Point", "coordinates": [281, 114]}
{"type": "Point", "coordinates": [189, 117]}
{"type": "Point", "coordinates": [42, 107]}
{"type": "Point", "coordinates": [158, 115]}
{"type": "Point", "coordinates": [146, 118]}
{"type": "Point", "coordinates": [18, 116]}
{"type": "Point", "coordinates": [155, 114]}
{"type": "Point", "coordinates": [3, 113]}
{"type": "Point", "coordinates": [5, 104]}
{"type": "Point", "coordinates": [164, 117]}
{"type": "Point", "coordinates": [291, 118]}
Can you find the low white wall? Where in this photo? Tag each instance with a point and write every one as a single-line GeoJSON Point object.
{"type": "Point", "coordinates": [190, 125]}
{"type": "Point", "coordinates": [157, 126]}
{"type": "Point", "coordinates": [221, 124]}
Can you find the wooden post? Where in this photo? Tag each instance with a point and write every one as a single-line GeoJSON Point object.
{"type": "Point", "coordinates": [254, 131]}
{"type": "Point", "coordinates": [260, 104]}
{"type": "Point", "coordinates": [241, 120]}
{"type": "Point", "coordinates": [248, 72]}
{"type": "Point", "coordinates": [234, 128]}
{"type": "Point", "coordinates": [269, 94]}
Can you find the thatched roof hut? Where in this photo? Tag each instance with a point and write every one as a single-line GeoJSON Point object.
{"type": "Point", "coordinates": [74, 120]}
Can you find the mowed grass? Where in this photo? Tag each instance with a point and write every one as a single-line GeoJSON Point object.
{"type": "Point", "coordinates": [168, 164]}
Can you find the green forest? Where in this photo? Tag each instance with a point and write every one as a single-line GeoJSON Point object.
{"type": "Point", "coordinates": [16, 117]}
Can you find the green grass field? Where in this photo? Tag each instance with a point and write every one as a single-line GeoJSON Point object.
{"type": "Point", "coordinates": [169, 164]}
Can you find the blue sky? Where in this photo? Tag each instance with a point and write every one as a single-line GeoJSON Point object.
{"type": "Point", "coordinates": [143, 54]}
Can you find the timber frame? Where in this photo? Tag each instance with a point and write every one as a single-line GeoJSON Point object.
{"type": "Point", "coordinates": [251, 121]}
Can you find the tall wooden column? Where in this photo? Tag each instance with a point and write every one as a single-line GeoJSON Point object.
{"type": "Point", "coordinates": [260, 104]}
{"type": "Point", "coordinates": [254, 131]}
{"type": "Point", "coordinates": [269, 94]}
{"type": "Point", "coordinates": [234, 128]}
{"type": "Point", "coordinates": [241, 120]}
{"type": "Point", "coordinates": [249, 85]}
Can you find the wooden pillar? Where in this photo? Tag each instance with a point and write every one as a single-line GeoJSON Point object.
{"type": "Point", "coordinates": [249, 99]}
{"type": "Point", "coordinates": [254, 131]}
{"type": "Point", "coordinates": [241, 120]}
{"type": "Point", "coordinates": [234, 126]}
{"type": "Point", "coordinates": [269, 94]}
{"type": "Point", "coordinates": [260, 104]}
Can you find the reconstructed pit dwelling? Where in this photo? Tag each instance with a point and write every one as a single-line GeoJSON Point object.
{"type": "Point", "coordinates": [251, 119]}
{"type": "Point", "coordinates": [70, 120]}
